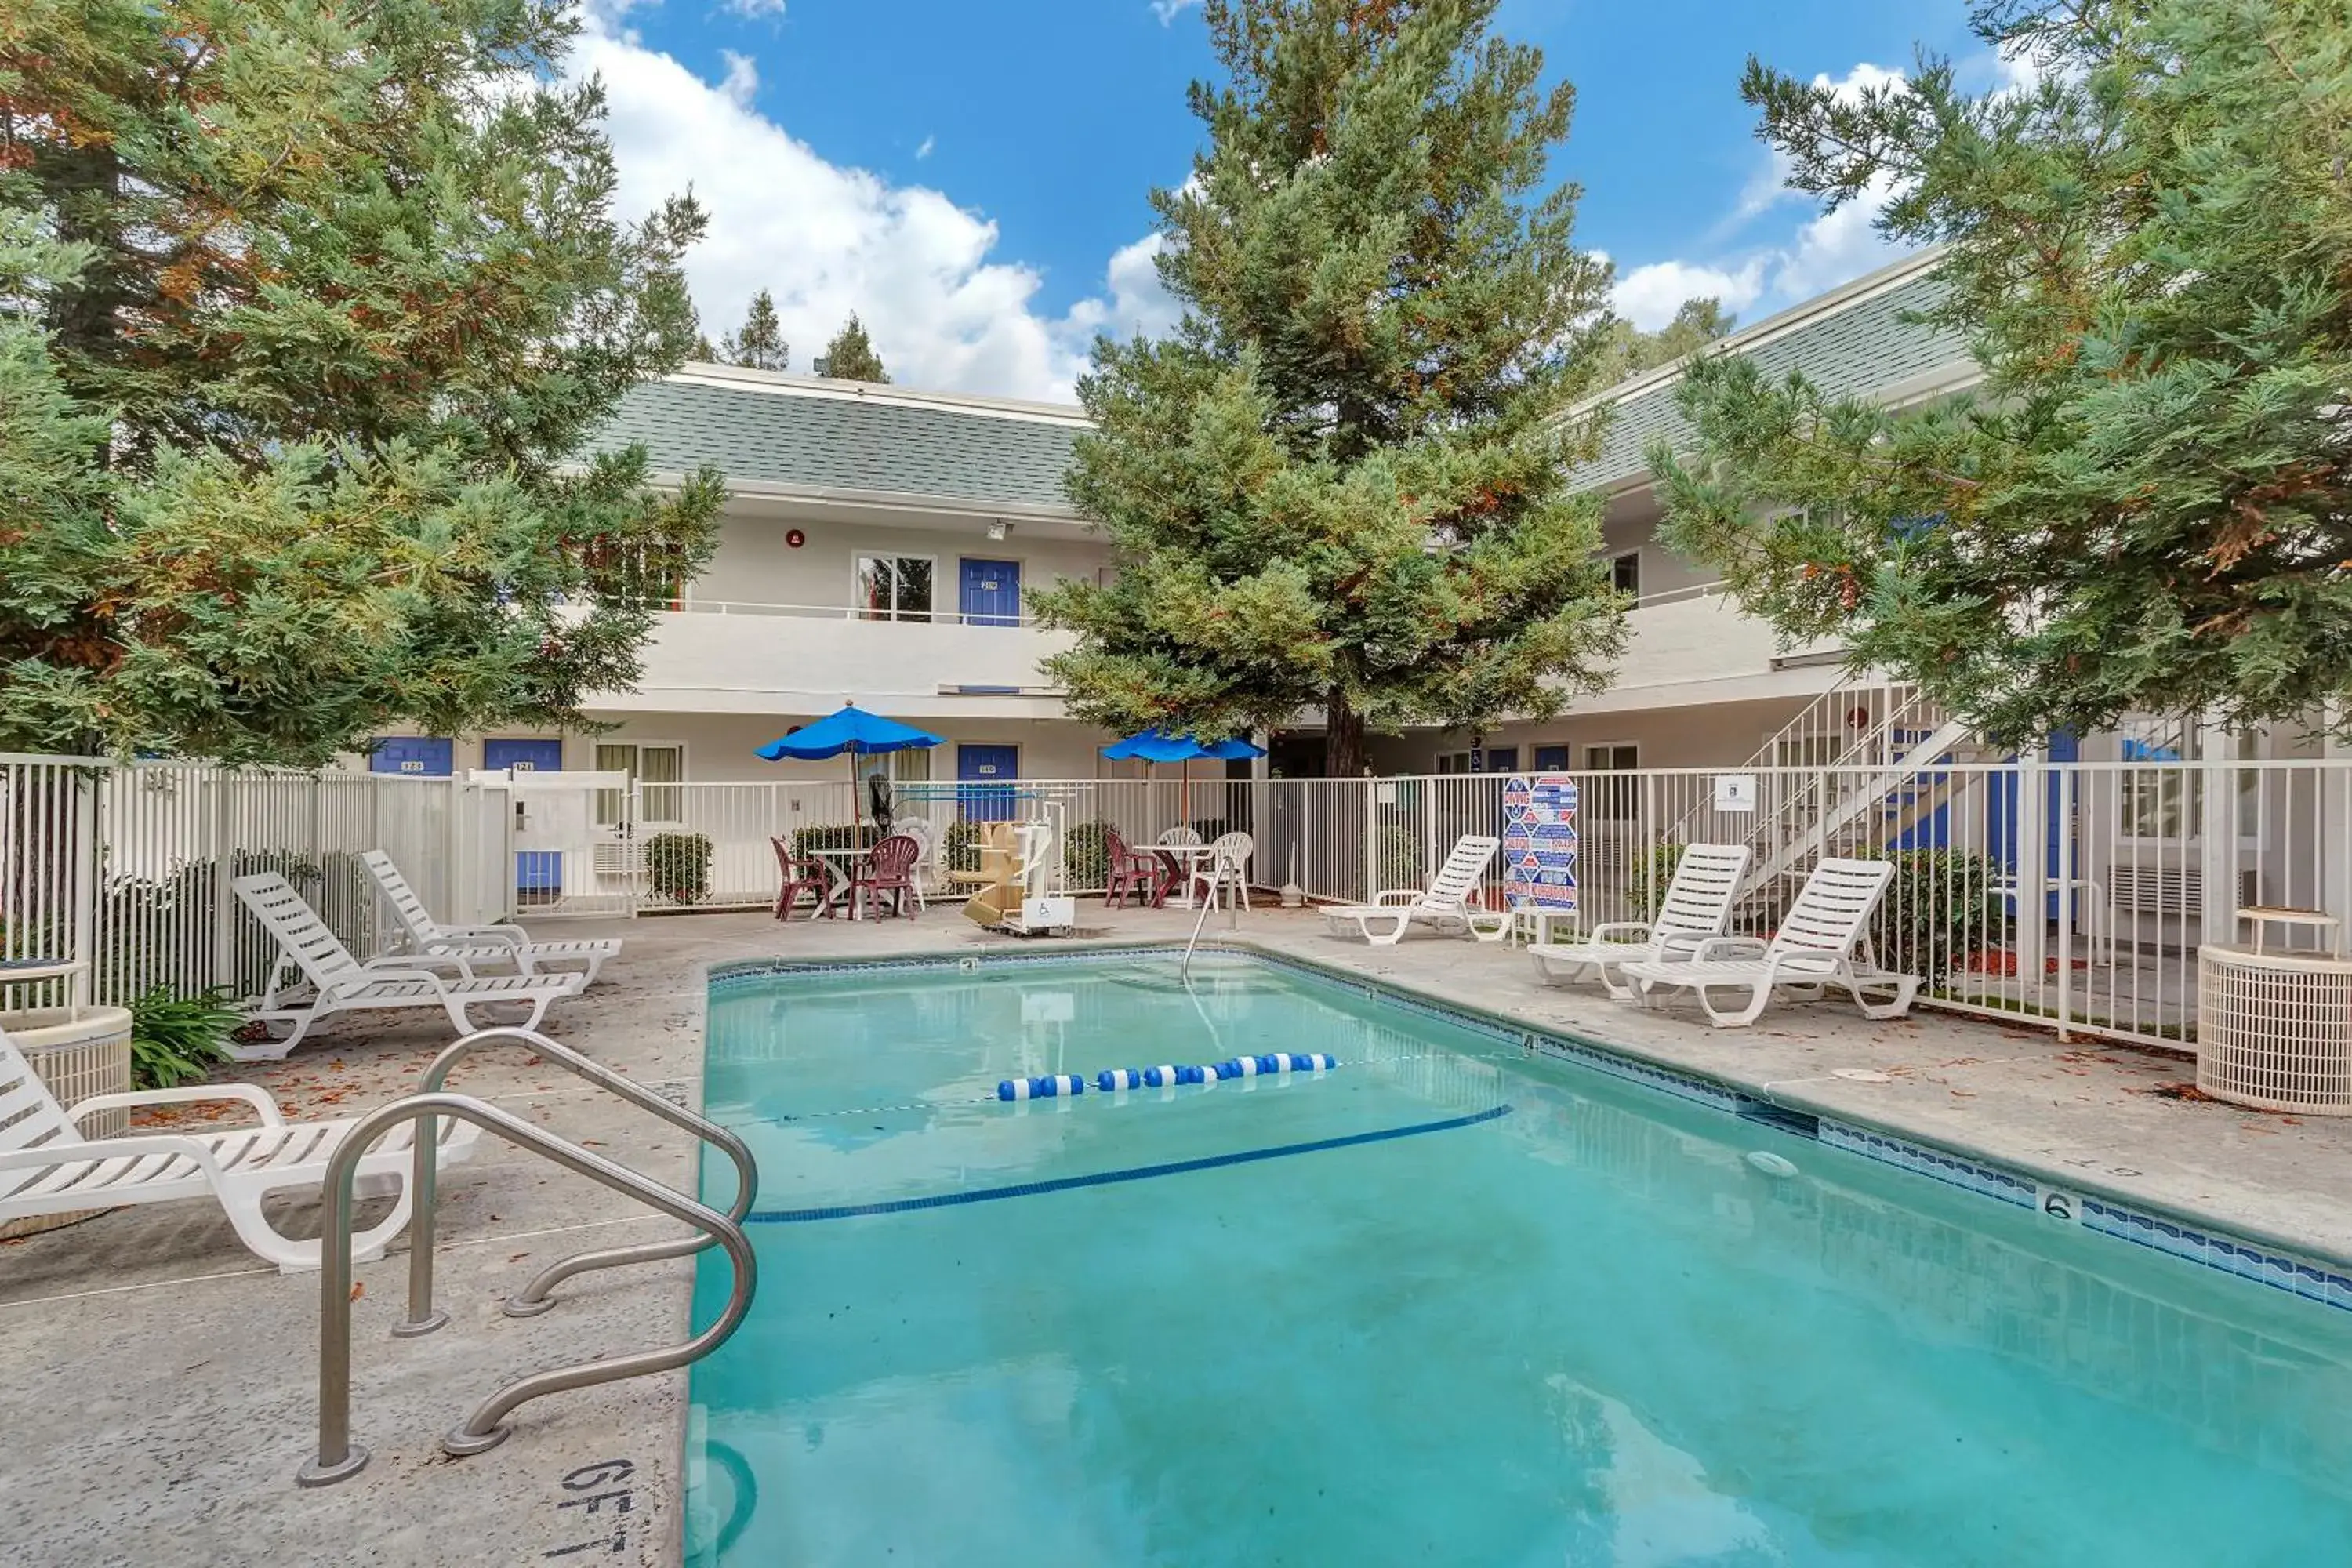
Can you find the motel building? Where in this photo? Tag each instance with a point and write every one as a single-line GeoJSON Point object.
{"type": "Point", "coordinates": [878, 541]}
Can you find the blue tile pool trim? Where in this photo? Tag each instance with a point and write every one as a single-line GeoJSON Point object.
{"type": "Point", "coordinates": [2311, 1278]}
{"type": "Point", "coordinates": [1113, 1178]}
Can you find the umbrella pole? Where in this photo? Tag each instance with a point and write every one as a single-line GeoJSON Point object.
{"type": "Point", "coordinates": [1184, 796]}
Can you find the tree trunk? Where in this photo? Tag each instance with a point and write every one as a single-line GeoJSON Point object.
{"type": "Point", "coordinates": [1344, 756]}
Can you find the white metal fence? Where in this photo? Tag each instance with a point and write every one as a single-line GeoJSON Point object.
{"type": "Point", "coordinates": [127, 867]}
{"type": "Point", "coordinates": [2069, 894]}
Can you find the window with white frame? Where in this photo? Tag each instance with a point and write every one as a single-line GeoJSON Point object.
{"type": "Point", "coordinates": [895, 587]}
{"type": "Point", "coordinates": [658, 766]}
{"type": "Point", "coordinates": [2163, 795]}
{"type": "Point", "coordinates": [1614, 800]}
{"type": "Point", "coordinates": [912, 766]}
{"type": "Point", "coordinates": [1491, 760]}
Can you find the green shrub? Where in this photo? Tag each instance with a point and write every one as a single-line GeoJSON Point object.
{"type": "Point", "coordinates": [1646, 881]}
{"type": "Point", "coordinates": [961, 842]}
{"type": "Point", "coordinates": [678, 865]}
{"type": "Point", "coordinates": [179, 1039]}
{"type": "Point", "coordinates": [1397, 863]}
{"type": "Point", "coordinates": [835, 836]}
{"type": "Point", "coordinates": [1940, 908]}
{"type": "Point", "coordinates": [1087, 859]}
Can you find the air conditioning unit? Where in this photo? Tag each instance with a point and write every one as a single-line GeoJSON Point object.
{"type": "Point", "coordinates": [2176, 889]}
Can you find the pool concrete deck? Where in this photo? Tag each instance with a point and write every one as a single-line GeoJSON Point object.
{"type": "Point", "coordinates": [160, 1392]}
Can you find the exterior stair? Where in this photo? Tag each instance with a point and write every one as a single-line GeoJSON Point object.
{"type": "Point", "coordinates": [1861, 768]}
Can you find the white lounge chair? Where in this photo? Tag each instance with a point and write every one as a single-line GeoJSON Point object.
{"type": "Point", "coordinates": [1820, 943]}
{"type": "Point", "coordinates": [471, 946]}
{"type": "Point", "coordinates": [1441, 907]}
{"type": "Point", "coordinates": [341, 983]}
{"type": "Point", "coordinates": [46, 1167]}
{"type": "Point", "coordinates": [1697, 905]}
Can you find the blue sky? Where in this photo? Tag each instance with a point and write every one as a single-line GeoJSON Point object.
{"type": "Point", "coordinates": [972, 178]}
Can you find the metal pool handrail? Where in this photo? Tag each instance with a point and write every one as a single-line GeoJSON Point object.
{"type": "Point", "coordinates": [338, 1457]}
{"type": "Point", "coordinates": [422, 1317]}
{"type": "Point", "coordinates": [1218, 866]}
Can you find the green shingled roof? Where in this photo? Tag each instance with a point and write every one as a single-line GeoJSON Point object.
{"type": "Point", "coordinates": [1847, 351]}
{"type": "Point", "coordinates": [845, 443]}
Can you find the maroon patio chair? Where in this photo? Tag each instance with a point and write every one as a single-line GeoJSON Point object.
{"type": "Point", "coordinates": [803, 873]}
{"type": "Point", "coordinates": [888, 867]}
{"type": "Point", "coordinates": [1131, 872]}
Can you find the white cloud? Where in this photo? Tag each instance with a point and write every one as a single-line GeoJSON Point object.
{"type": "Point", "coordinates": [1836, 247]}
{"type": "Point", "coordinates": [755, 9]}
{"type": "Point", "coordinates": [918, 269]}
{"type": "Point", "coordinates": [1139, 303]}
{"type": "Point", "coordinates": [1649, 296]}
{"type": "Point", "coordinates": [742, 83]}
{"type": "Point", "coordinates": [1169, 10]}
{"type": "Point", "coordinates": [1827, 249]}
{"type": "Point", "coordinates": [925, 150]}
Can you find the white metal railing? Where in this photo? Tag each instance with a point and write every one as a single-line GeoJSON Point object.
{"type": "Point", "coordinates": [2069, 894]}
{"type": "Point", "coordinates": [1680, 595]}
{"type": "Point", "coordinates": [125, 867]}
{"type": "Point", "coordinates": [691, 606]}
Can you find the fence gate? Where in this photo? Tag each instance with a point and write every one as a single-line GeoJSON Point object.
{"type": "Point", "coordinates": [572, 846]}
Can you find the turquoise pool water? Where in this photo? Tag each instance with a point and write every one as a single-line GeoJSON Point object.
{"type": "Point", "coordinates": [1544, 1317]}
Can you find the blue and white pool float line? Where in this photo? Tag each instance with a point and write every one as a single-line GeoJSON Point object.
{"type": "Point", "coordinates": [1054, 1085]}
{"type": "Point", "coordinates": [1113, 1080]}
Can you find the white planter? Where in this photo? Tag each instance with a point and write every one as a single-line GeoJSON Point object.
{"type": "Point", "coordinates": [77, 1052]}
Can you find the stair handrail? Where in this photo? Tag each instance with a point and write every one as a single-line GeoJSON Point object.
{"type": "Point", "coordinates": [1900, 699]}
{"type": "Point", "coordinates": [338, 1457]}
{"type": "Point", "coordinates": [533, 1298]}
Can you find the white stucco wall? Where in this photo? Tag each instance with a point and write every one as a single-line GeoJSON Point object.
{"type": "Point", "coordinates": [720, 746]}
{"type": "Point", "coordinates": [754, 565]}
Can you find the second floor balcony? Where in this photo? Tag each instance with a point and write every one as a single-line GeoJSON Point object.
{"type": "Point", "coordinates": [716, 656]}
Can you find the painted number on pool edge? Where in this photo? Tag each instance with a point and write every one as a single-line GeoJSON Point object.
{"type": "Point", "coordinates": [602, 1493]}
{"type": "Point", "coordinates": [2059, 1205]}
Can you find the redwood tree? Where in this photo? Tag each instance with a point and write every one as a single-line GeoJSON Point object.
{"type": "Point", "coordinates": [1341, 484]}
{"type": "Point", "coordinates": [304, 312]}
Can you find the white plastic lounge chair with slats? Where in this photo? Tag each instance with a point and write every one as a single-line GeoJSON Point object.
{"type": "Point", "coordinates": [475, 946]}
{"type": "Point", "coordinates": [1820, 943]}
{"type": "Point", "coordinates": [1443, 906]}
{"type": "Point", "coordinates": [47, 1167]}
{"type": "Point", "coordinates": [341, 983]}
{"type": "Point", "coordinates": [1697, 905]}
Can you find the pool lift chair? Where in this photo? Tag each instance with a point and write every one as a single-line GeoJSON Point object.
{"type": "Point", "coordinates": [1021, 886]}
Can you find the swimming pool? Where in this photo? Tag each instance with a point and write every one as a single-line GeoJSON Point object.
{"type": "Point", "coordinates": [1456, 1302]}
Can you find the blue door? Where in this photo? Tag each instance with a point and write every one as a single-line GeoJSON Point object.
{"type": "Point", "coordinates": [979, 770]}
{"type": "Point", "coordinates": [537, 872]}
{"type": "Point", "coordinates": [417, 756]}
{"type": "Point", "coordinates": [2001, 829]}
{"type": "Point", "coordinates": [991, 593]}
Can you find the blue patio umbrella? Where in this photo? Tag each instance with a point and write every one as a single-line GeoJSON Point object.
{"type": "Point", "coordinates": [1157, 746]}
{"type": "Point", "coordinates": [850, 730]}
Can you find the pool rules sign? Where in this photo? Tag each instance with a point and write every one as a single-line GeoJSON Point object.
{"type": "Point", "coordinates": [1539, 840]}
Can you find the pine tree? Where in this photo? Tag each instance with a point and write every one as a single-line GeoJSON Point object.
{"type": "Point", "coordinates": [309, 311]}
{"type": "Point", "coordinates": [2147, 506]}
{"type": "Point", "coordinates": [1695, 324]}
{"type": "Point", "coordinates": [760, 345]}
{"type": "Point", "coordinates": [1341, 484]}
{"type": "Point", "coordinates": [851, 357]}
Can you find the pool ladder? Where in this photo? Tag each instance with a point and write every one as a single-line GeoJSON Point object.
{"type": "Point", "coordinates": [1219, 867]}
{"type": "Point", "coordinates": [339, 1457]}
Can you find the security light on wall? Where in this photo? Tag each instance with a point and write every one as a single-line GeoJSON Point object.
{"type": "Point", "coordinates": [999, 529]}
